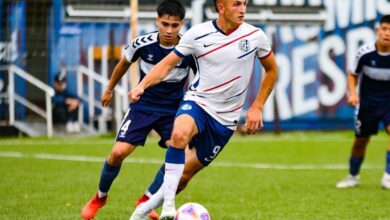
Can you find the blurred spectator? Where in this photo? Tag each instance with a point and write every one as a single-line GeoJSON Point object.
{"type": "Point", "coordinates": [65, 105]}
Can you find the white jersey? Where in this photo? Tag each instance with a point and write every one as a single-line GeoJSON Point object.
{"type": "Point", "coordinates": [224, 67]}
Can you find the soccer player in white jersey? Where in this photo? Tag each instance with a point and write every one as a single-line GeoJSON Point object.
{"type": "Point", "coordinates": [225, 51]}
{"type": "Point", "coordinates": [156, 109]}
{"type": "Point", "coordinates": [371, 72]}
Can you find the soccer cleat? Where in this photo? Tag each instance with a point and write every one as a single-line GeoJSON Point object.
{"type": "Point", "coordinates": [168, 212]}
{"type": "Point", "coordinates": [152, 214]}
{"type": "Point", "coordinates": [349, 181]}
{"type": "Point", "coordinates": [137, 215]}
{"type": "Point", "coordinates": [386, 181]}
{"type": "Point", "coordinates": [92, 207]}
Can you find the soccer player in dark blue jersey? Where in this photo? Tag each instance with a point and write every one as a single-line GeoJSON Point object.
{"type": "Point", "coordinates": [371, 72]}
{"type": "Point", "coordinates": [156, 109]}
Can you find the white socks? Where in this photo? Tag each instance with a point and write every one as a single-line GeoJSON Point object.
{"type": "Point", "coordinates": [101, 194]}
{"type": "Point", "coordinates": [173, 173]}
{"type": "Point", "coordinates": [154, 201]}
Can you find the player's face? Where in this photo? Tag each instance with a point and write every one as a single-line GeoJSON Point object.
{"type": "Point", "coordinates": [234, 11]}
{"type": "Point", "coordinates": [383, 33]}
{"type": "Point", "coordinates": [169, 27]}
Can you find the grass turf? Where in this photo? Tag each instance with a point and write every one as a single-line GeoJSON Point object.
{"type": "Point", "coordinates": [255, 177]}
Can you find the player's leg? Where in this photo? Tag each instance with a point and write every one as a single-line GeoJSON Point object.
{"type": "Point", "coordinates": [133, 132]}
{"type": "Point", "coordinates": [183, 130]}
{"type": "Point", "coordinates": [109, 172]}
{"type": "Point", "coordinates": [386, 176]}
{"type": "Point", "coordinates": [163, 126]}
{"type": "Point", "coordinates": [210, 142]}
{"type": "Point", "coordinates": [152, 189]}
{"type": "Point", "coordinates": [191, 167]}
{"type": "Point", "coordinates": [366, 124]}
{"type": "Point", "coordinates": [355, 161]}
{"type": "Point", "coordinates": [357, 154]}
{"type": "Point", "coordinates": [207, 145]}
{"type": "Point", "coordinates": [210, 139]}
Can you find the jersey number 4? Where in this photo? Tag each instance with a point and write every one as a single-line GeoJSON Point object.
{"type": "Point", "coordinates": [125, 126]}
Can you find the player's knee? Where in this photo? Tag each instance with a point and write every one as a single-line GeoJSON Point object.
{"type": "Point", "coordinates": [116, 157]}
{"type": "Point", "coordinates": [361, 142]}
{"type": "Point", "coordinates": [180, 138]}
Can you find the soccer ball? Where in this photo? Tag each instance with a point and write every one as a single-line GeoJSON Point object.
{"type": "Point", "coordinates": [192, 211]}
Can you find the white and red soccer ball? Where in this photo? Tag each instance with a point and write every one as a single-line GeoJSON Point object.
{"type": "Point", "coordinates": [192, 211]}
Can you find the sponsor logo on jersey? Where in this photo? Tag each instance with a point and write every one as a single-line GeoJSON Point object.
{"type": "Point", "coordinates": [150, 57]}
{"type": "Point", "coordinates": [244, 45]}
{"type": "Point", "coordinates": [207, 45]}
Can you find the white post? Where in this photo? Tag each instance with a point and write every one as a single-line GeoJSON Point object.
{"type": "Point", "coordinates": [91, 91]}
{"type": "Point", "coordinates": [197, 18]}
{"type": "Point", "coordinates": [11, 94]}
{"type": "Point", "coordinates": [103, 117]}
{"type": "Point", "coordinates": [118, 111]}
{"type": "Point", "coordinates": [80, 94]}
{"type": "Point", "coordinates": [125, 86]}
{"type": "Point", "coordinates": [197, 12]}
{"type": "Point", "coordinates": [134, 68]}
{"type": "Point", "coordinates": [49, 116]}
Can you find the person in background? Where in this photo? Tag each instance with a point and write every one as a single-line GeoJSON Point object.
{"type": "Point", "coordinates": [65, 104]}
{"type": "Point", "coordinates": [371, 72]}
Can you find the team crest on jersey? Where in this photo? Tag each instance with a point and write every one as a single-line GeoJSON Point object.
{"type": "Point", "coordinates": [244, 45]}
{"type": "Point", "coordinates": [186, 107]}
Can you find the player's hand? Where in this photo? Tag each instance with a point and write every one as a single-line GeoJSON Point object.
{"type": "Point", "coordinates": [135, 94]}
{"type": "Point", "coordinates": [254, 120]}
{"type": "Point", "coordinates": [353, 100]}
{"type": "Point", "coordinates": [106, 98]}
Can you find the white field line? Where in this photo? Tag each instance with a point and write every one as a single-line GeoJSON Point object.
{"type": "Point", "coordinates": [79, 158]}
{"type": "Point", "coordinates": [235, 139]}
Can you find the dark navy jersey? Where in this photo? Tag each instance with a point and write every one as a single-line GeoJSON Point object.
{"type": "Point", "coordinates": [373, 69]}
{"type": "Point", "coordinates": [167, 95]}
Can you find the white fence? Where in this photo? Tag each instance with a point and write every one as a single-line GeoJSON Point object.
{"type": "Point", "coordinates": [13, 96]}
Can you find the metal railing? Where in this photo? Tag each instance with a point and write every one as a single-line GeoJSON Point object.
{"type": "Point", "coordinates": [12, 96]}
{"type": "Point", "coordinates": [120, 96]}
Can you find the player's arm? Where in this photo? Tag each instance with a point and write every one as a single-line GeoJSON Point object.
{"type": "Point", "coordinates": [155, 75]}
{"type": "Point", "coordinates": [352, 81]}
{"type": "Point", "coordinates": [254, 120]}
{"type": "Point", "coordinates": [119, 70]}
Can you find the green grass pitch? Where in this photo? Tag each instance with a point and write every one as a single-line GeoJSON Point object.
{"type": "Point", "coordinates": [291, 176]}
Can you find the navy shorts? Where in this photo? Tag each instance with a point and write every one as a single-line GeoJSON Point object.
{"type": "Point", "coordinates": [212, 136]}
{"type": "Point", "coordinates": [136, 126]}
{"type": "Point", "coordinates": [367, 119]}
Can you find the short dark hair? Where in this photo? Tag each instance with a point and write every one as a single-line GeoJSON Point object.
{"type": "Point", "coordinates": [215, 5]}
{"type": "Point", "coordinates": [171, 8]}
{"type": "Point", "coordinates": [385, 19]}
